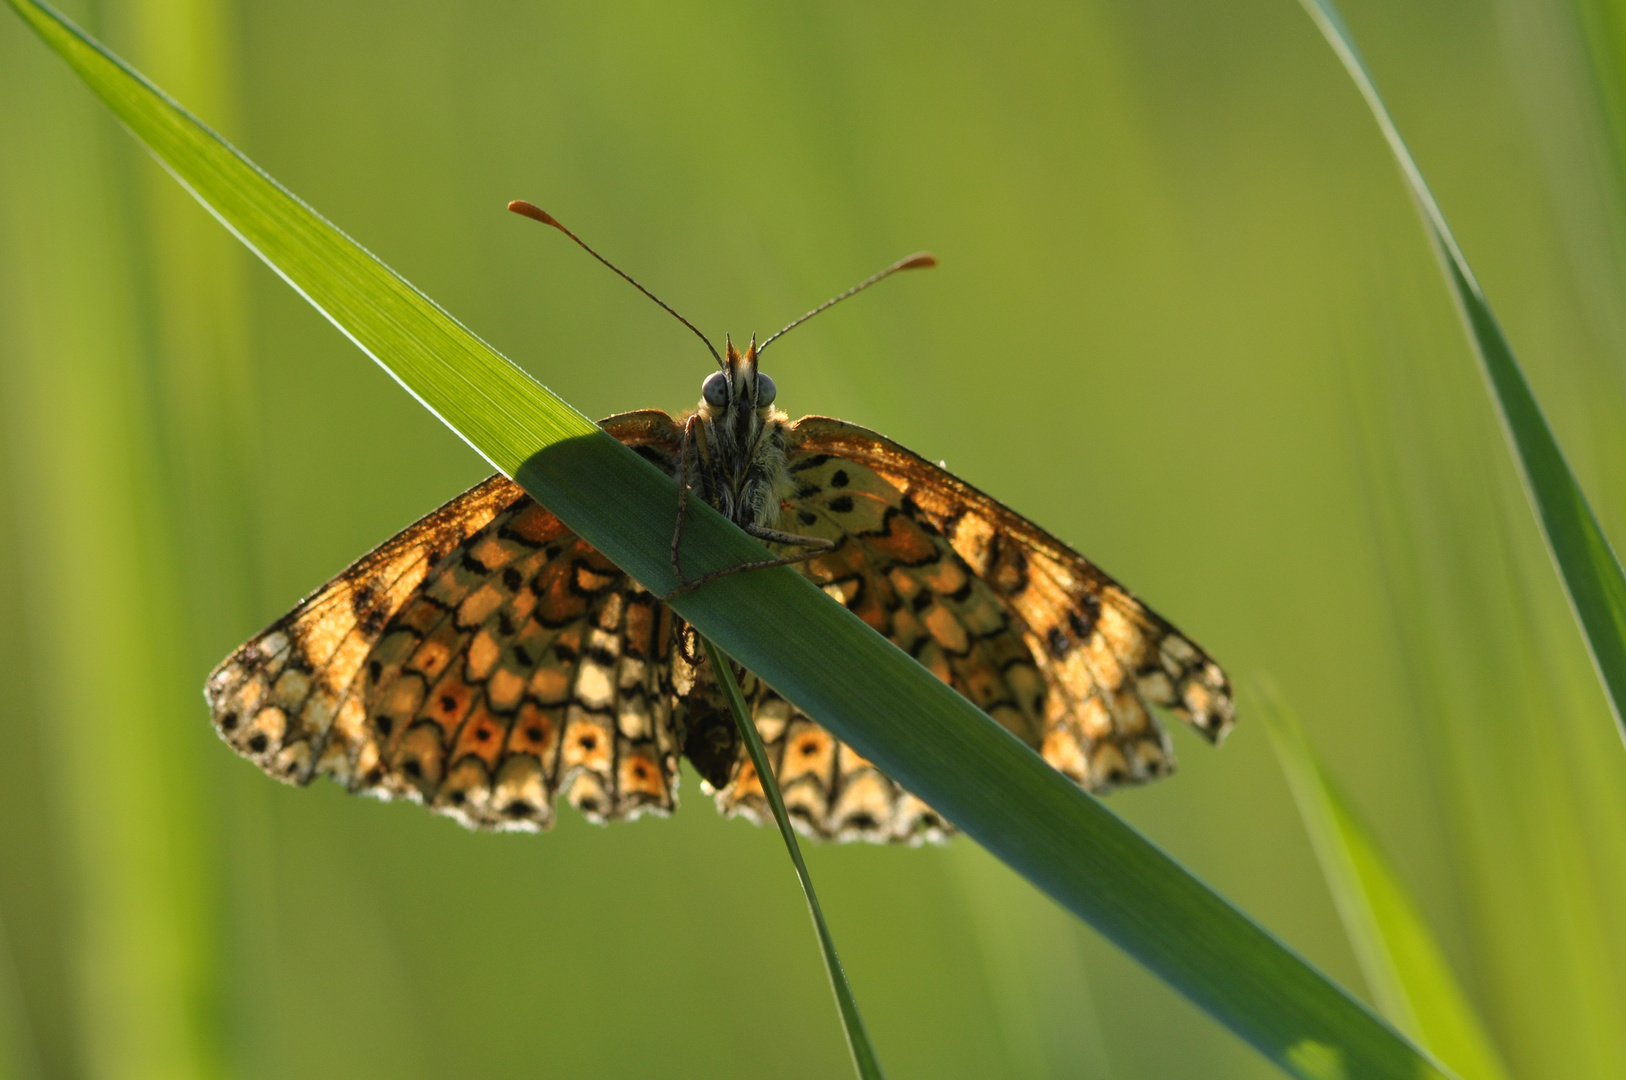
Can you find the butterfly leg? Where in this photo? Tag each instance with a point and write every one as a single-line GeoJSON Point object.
{"type": "Point", "coordinates": [817, 543]}
{"type": "Point", "coordinates": [774, 536]}
{"type": "Point", "coordinates": [728, 571]}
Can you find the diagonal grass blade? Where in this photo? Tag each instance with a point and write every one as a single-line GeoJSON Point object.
{"type": "Point", "coordinates": [1404, 966]}
{"type": "Point", "coordinates": [1586, 562]}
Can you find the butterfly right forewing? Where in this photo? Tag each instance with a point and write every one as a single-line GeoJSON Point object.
{"type": "Point", "coordinates": [1102, 655]}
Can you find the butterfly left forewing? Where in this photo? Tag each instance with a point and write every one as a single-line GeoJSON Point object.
{"type": "Point", "coordinates": [281, 699]}
{"type": "Point", "coordinates": [483, 661]}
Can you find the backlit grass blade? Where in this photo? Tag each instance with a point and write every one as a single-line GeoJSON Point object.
{"type": "Point", "coordinates": [864, 1059]}
{"type": "Point", "coordinates": [1591, 573]}
{"type": "Point", "coordinates": [775, 622]}
{"type": "Point", "coordinates": [1404, 966]}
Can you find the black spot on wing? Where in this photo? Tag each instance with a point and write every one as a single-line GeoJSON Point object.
{"type": "Point", "coordinates": [1082, 619]}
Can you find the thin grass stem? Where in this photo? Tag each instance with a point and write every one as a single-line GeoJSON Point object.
{"type": "Point", "coordinates": [864, 1059]}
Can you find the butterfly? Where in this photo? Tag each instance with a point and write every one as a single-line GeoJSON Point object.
{"type": "Point", "coordinates": [487, 660]}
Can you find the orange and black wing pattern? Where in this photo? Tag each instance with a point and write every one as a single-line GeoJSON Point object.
{"type": "Point", "coordinates": [961, 581]}
{"type": "Point", "coordinates": [487, 660]}
{"type": "Point", "coordinates": [482, 662]}
{"type": "Point", "coordinates": [1023, 626]}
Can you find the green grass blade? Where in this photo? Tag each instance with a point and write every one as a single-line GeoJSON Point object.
{"type": "Point", "coordinates": [852, 1022]}
{"type": "Point", "coordinates": [1586, 562]}
{"type": "Point", "coordinates": [1404, 965]}
{"type": "Point", "coordinates": [776, 622]}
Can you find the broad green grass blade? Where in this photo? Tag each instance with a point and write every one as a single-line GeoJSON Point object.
{"type": "Point", "coordinates": [1404, 966]}
{"type": "Point", "coordinates": [777, 623]}
{"type": "Point", "coordinates": [1591, 573]}
{"type": "Point", "coordinates": [864, 1059]}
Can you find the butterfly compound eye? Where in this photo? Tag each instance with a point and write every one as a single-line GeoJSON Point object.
{"type": "Point", "coordinates": [765, 390]}
{"type": "Point", "coordinates": [714, 391]}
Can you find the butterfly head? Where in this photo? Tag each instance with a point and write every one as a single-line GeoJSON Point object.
{"type": "Point", "coordinates": [738, 390]}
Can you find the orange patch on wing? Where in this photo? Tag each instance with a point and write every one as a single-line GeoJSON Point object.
{"type": "Point", "coordinates": [748, 785]}
{"type": "Point", "coordinates": [535, 525]}
{"type": "Point", "coordinates": [587, 743]}
{"type": "Point", "coordinates": [492, 553]}
{"type": "Point", "coordinates": [1062, 751]}
{"type": "Point", "coordinates": [590, 580]}
{"type": "Point", "coordinates": [551, 685]}
{"type": "Point", "coordinates": [904, 542]}
{"type": "Point", "coordinates": [535, 731]}
{"type": "Point", "coordinates": [484, 653]}
{"type": "Point", "coordinates": [808, 752]}
{"type": "Point", "coordinates": [482, 736]}
{"type": "Point", "coordinates": [609, 618]}
{"type": "Point", "coordinates": [401, 701]}
{"type": "Point", "coordinates": [478, 605]}
{"type": "Point", "coordinates": [559, 603]}
{"type": "Point", "coordinates": [420, 757]}
{"type": "Point", "coordinates": [946, 629]}
{"type": "Point", "coordinates": [433, 653]}
{"type": "Point", "coordinates": [640, 776]}
{"type": "Point", "coordinates": [504, 688]}
{"type": "Point", "coordinates": [448, 701]}
{"type": "Point", "coordinates": [420, 615]}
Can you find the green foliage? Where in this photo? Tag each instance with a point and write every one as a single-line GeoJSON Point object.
{"type": "Point", "coordinates": [1183, 319]}
{"type": "Point", "coordinates": [852, 1021]}
{"type": "Point", "coordinates": [1404, 965]}
{"type": "Point", "coordinates": [1591, 572]}
{"type": "Point", "coordinates": [890, 709]}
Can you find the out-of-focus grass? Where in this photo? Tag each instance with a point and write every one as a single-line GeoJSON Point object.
{"type": "Point", "coordinates": [1587, 564]}
{"type": "Point", "coordinates": [887, 707]}
{"type": "Point", "coordinates": [1405, 969]}
{"type": "Point", "coordinates": [115, 930]}
{"type": "Point", "coordinates": [1253, 405]}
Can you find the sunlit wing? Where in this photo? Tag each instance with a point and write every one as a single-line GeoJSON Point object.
{"type": "Point", "coordinates": [487, 660]}
{"type": "Point", "coordinates": [912, 529]}
{"type": "Point", "coordinates": [482, 662]}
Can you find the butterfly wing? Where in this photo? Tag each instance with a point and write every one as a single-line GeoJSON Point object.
{"type": "Point", "coordinates": [483, 661]}
{"type": "Point", "coordinates": [486, 659]}
{"type": "Point", "coordinates": [1028, 629]}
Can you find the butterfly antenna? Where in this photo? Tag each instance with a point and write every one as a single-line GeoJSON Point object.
{"type": "Point", "coordinates": [536, 213]}
{"type": "Point", "coordinates": [918, 260]}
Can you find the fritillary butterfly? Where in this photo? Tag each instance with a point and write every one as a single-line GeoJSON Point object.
{"type": "Point", "coordinates": [486, 660]}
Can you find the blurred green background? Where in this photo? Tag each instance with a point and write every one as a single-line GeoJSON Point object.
{"type": "Point", "coordinates": [1185, 318]}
